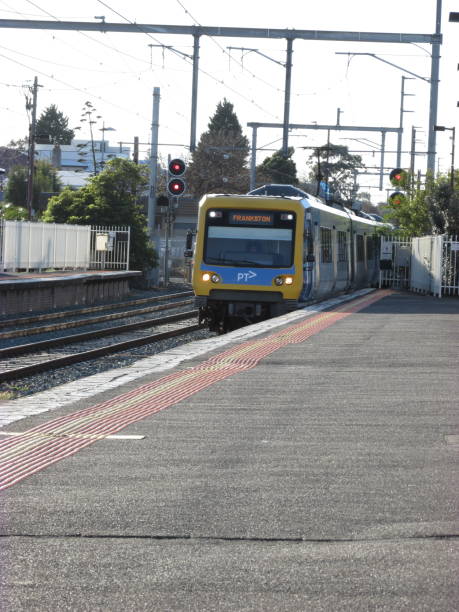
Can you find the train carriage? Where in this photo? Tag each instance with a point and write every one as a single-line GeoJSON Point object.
{"type": "Point", "coordinates": [258, 256]}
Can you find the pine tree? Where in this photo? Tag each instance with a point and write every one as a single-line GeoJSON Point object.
{"type": "Point", "coordinates": [278, 169]}
{"type": "Point", "coordinates": [334, 165]}
{"type": "Point", "coordinates": [52, 127]}
{"type": "Point", "coordinates": [219, 163]}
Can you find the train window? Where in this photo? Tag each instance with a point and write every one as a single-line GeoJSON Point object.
{"type": "Point", "coordinates": [360, 248]}
{"type": "Point", "coordinates": [325, 245]}
{"type": "Point", "coordinates": [342, 246]}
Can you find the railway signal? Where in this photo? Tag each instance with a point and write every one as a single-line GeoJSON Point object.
{"type": "Point", "coordinates": [397, 198]}
{"type": "Point", "coordinates": [176, 169]}
{"type": "Point", "coordinates": [399, 177]}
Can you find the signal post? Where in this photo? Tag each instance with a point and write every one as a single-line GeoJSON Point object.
{"type": "Point", "coordinates": [176, 187]}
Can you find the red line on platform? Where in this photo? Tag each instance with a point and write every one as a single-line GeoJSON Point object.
{"type": "Point", "coordinates": [46, 444]}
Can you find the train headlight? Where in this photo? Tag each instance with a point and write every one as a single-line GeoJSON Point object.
{"type": "Point", "coordinates": [206, 277]}
{"type": "Point", "coordinates": [215, 278]}
{"type": "Point", "coordinates": [289, 280]}
{"type": "Point", "coordinates": [278, 281]}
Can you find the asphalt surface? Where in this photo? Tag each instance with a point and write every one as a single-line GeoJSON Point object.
{"type": "Point", "coordinates": [325, 478]}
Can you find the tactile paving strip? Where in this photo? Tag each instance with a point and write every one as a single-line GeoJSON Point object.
{"type": "Point", "coordinates": [46, 444]}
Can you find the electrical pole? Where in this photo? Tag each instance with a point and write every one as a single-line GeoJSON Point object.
{"type": "Point", "coordinates": [153, 177]}
{"type": "Point", "coordinates": [32, 129]}
{"type": "Point", "coordinates": [434, 80]}
{"type": "Point", "coordinates": [288, 83]}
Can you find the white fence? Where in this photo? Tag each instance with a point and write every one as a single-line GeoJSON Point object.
{"type": "Point", "coordinates": [429, 264]}
{"type": "Point", "coordinates": [28, 246]}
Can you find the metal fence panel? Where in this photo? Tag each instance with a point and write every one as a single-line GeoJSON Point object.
{"type": "Point", "coordinates": [38, 246]}
{"type": "Point", "coordinates": [110, 248]}
{"type": "Point", "coordinates": [395, 262]}
{"type": "Point", "coordinates": [421, 264]}
{"type": "Point", "coordinates": [450, 266]}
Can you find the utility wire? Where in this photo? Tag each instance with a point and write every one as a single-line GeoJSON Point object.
{"type": "Point", "coordinates": [212, 38]}
{"type": "Point", "coordinates": [187, 59]}
{"type": "Point", "coordinates": [92, 58]}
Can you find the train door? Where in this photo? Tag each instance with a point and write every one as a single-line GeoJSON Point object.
{"type": "Point", "coordinates": [360, 272]}
{"type": "Point", "coordinates": [308, 258]}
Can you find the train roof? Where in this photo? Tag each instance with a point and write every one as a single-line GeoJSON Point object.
{"type": "Point", "coordinates": [307, 200]}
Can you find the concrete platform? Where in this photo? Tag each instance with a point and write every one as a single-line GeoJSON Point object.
{"type": "Point", "coordinates": [28, 292]}
{"type": "Point", "coordinates": [308, 463]}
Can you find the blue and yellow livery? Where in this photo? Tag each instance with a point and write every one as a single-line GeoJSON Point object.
{"type": "Point", "coordinates": [260, 256]}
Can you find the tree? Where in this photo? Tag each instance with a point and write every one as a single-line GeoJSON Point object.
{"type": "Point", "coordinates": [336, 167]}
{"type": "Point", "coordinates": [109, 198]}
{"type": "Point", "coordinates": [52, 127]}
{"type": "Point", "coordinates": [278, 169]}
{"type": "Point", "coordinates": [10, 212]}
{"type": "Point", "coordinates": [21, 145]}
{"type": "Point", "coordinates": [219, 162]}
{"type": "Point", "coordinates": [411, 216]}
{"type": "Point", "coordinates": [10, 157]}
{"type": "Point", "coordinates": [46, 181]}
{"type": "Point", "coordinates": [431, 209]}
{"type": "Point", "coordinates": [443, 201]}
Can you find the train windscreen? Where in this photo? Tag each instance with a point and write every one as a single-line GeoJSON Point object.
{"type": "Point", "coordinates": [249, 238]}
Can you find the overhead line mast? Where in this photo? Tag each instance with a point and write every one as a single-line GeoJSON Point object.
{"type": "Point", "coordinates": [269, 33]}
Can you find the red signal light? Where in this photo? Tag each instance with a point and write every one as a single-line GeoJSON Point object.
{"type": "Point", "coordinates": [398, 177]}
{"type": "Point", "coordinates": [397, 198]}
{"type": "Point", "coordinates": [177, 167]}
{"type": "Point", "coordinates": [176, 187]}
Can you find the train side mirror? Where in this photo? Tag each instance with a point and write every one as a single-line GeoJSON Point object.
{"type": "Point", "coordinates": [188, 252]}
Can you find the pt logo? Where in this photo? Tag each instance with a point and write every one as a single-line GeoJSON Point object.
{"type": "Point", "coordinates": [245, 276]}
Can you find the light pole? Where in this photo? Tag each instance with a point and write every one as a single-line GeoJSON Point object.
{"type": "Point", "coordinates": [442, 128]}
{"type": "Point", "coordinates": [104, 129]}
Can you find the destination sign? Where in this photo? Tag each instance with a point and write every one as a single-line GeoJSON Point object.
{"type": "Point", "coordinates": [251, 218]}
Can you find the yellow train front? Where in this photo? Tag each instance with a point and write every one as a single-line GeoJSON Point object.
{"type": "Point", "coordinates": [246, 267]}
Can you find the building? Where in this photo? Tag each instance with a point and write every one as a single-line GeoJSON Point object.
{"type": "Point", "coordinates": [81, 155]}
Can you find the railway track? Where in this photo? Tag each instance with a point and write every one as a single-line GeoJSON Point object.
{"type": "Point", "coordinates": [26, 359]}
{"type": "Point", "coordinates": [127, 308]}
{"type": "Point", "coordinates": [43, 364]}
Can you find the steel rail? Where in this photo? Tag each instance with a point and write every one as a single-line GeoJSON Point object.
{"type": "Point", "coordinates": [32, 347]}
{"type": "Point", "coordinates": [32, 331]}
{"type": "Point", "coordinates": [61, 362]}
{"type": "Point", "coordinates": [90, 309]}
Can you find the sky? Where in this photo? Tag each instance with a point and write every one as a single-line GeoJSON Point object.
{"type": "Point", "coordinates": [117, 72]}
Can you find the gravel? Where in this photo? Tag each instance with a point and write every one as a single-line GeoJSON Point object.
{"type": "Point", "coordinates": [48, 380]}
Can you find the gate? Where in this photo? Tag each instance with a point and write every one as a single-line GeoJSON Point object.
{"type": "Point", "coordinates": [395, 262]}
{"type": "Point", "coordinates": [450, 265]}
{"type": "Point", "coordinates": [109, 248]}
{"type": "Point", "coordinates": [429, 264]}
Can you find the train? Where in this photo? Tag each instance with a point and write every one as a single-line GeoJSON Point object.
{"type": "Point", "coordinates": [258, 256]}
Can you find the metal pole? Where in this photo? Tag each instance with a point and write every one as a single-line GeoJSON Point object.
{"type": "Point", "coordinates": [253, 160]}
{"type": "Point", "coordinates": [413, 153]}
{"type": "Point", "coordinates": [381, 171]}
{"type": "Point", "coordinates": [434, 79]}
{"type": "Point", "coordinates": [399, 135]}
{"type": "Point", "coordinates": [102, 160]}
{"type": "Point", "coordinates": [153, 165]}
{"type": "Point", "coordinates": [31, 172]}
{"type": "Point", "coordinates": [453, 137]}
{"type": "Point", "coordinates": [288, 82]}
{"type": "Point", "coordinates": [194, 92]}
